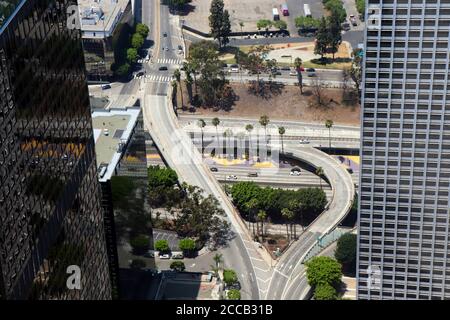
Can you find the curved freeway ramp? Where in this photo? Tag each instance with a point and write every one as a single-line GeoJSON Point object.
{"type": "Point", "coordinates": [288, 281]}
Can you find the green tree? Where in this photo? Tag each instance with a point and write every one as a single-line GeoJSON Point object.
{"type": "Point", "coordinates": [281, 132]}
{"type": "Point", "coordinates": [263, 24]}
{"type": "Point", "coordinates": [335, 33]}
{"type": "Point", "coordinates": [165, 177]}
{"type": "Point", "coordinates": [346, 251]}
{"type": "Point", "coordinates": [280, 24]}
{"type": "Point", "coordinates": [187, 245]}
{"type": "Point", "coordinates": [137, 41]}
{"type": "Point", "coordinates": [360, 6]}
{"type": "Point", "coordinates": [229, 277]}
{"type": "Point", "coordinates": [329, 125]}
{"type": "Point", "coordinates": [356, 69]}
{"type": "Point", "coordinates": [142, 29]}
{"type": "Point", "coordinates": [218, 259]}
{"type": "Point", "coordinates": [323, 270]}
{"type": "Point", "coordinates": [177, 266]}
{"type": "Point", "coordinates": [140, 244]}
{"type": "Point", "coordinates": [241, 24]}
{"type": "Point", "coordinates": [123, 70]}
{"type": "Point", "coordinates": [234, 294]}
{"type": "Point", "coordinates": [319, 173]}
{"type": "Point", "coordinates": [255, 62]}
{"type": "Point", "coordinates": [322, 39]}
{"type": "Point", "coordinates": [137, 264]}
{"type": "Point", "coordinates": [219, 21]}
{"type": "Point", "coordinates": [296, 206]}
{"type": "Point", "coordinates": [325, 291]}
{"type": "Point", "coordinates": [307, 23]}
{"type": "Point", "coordinates": [162, 245]}
{"type": "Point", "coordinates": [132, 55]}
{"type": "Point", "coordinates": [336, 7]}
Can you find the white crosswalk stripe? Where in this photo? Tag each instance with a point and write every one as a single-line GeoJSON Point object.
{"type": "Point", "coordinates": [170, 61]}
{"type": "Point", "coordinates": [157, 78]}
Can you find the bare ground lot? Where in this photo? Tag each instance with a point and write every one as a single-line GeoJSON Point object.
{"type": "Point", "coordinates": [288, 105]}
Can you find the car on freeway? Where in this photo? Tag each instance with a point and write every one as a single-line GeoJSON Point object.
{"type": "Point", "coordinates": [163, 68]}
{"type": "Point", "coordinates": [106, 86]}
{"type": "Point", "coordinates": [214, 169]}
{"type": "Point", "coordinates": [231, 177]}
{"type": "Point", "coordinates": [295, 172]}
{"type": "Point", "coordinates": [252, 174]}
{"type": "Point", "coordinates": [303, 141]}
{"type": "Point", "coordinates": [353, 20]}
{"type": "Point", "coordinates": [311, 72]}
{"type": "Point", "coordinates": [165, 34]}
{"type": "Point", "coordinates": [164, 256]}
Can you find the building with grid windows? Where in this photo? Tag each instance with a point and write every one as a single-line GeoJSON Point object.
{"type": "Point", "coordinates": [403, 243]}
{"type": "Point", "coordinates": [50, 205]}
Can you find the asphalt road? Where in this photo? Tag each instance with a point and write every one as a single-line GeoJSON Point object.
{"type": "Point", "coordinates": [177, 149]}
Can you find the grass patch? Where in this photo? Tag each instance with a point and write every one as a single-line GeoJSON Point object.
{"type": "Point", "coordinates": [338, 63]}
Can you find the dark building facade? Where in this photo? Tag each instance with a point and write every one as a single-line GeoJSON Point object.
{"type": "Point", "coordinates": [50, 208]}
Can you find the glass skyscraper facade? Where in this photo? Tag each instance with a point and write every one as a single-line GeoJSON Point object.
{"type": "Point", "coordinates": [403, 244]}
{"type": "Point", "coordinates": [50, 208]}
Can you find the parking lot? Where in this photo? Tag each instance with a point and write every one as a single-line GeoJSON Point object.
{"type": "Point", "coordinates": [170, 236]}
{"type": "Point", "coordinates": [250, 11]}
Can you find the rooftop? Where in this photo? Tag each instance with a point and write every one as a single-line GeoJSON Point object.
{"type": "Point", "coordinates": [112, 130]}
{"type": "Point", "coordinates": [100, 15]}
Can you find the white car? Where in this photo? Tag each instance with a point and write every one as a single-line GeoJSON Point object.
{"type": "Point", "coordinates": [295, 172]}
{"type": "Point", "coordinates": [304, 141]}
{"type": "Point", "coordinates": [164, 256]}
{"type": "Point", "coordinates": [232, 177]}
{"type": "Point", "coordinates": [293, 72]}
{"type": "Point", "coordinates": [233, 69]}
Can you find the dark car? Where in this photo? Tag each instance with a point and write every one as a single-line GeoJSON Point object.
{"type": "Point", "coordinates": [214, 169]}
{"type": "Point", "coordinates": [311, 72]}
{"type": "Point", "coordinates": [236, 285]}
{"type": "Point", "coordinates": [106, 86]}
{"type": "Point", "coordinates": [163, 68]}
{"type": "Point", "coordinates": [165, 34]}
{"type": "Point", "coordinates": [140, 74]}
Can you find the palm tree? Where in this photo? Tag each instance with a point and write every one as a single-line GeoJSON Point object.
{"type": "Point", "coordinates": [298, 64]}
{"type": "Point", "coordinates": [286, 214]}
{"type": "Point", "coordinates": [252, 205]}
{"type": "Point", "coordinates": [329, 124]}
{"type": "Point", "coordinates": [201, 123]}
{"type": "Point", "coordinates": [215, 123]}
{"type": "Point", "coordinates": [218, 259]}
{"type": "Point", "coordinates": [319, 172]}
{"type": "Point", "coordinates": [249, 129]}
{"type": "Point", "coordinates": [262, 215]}
{"type": "Point", "coordinates": [264, 121]}
{"type": "Point", "coordinates": [228, 133]}
{"type": "Point", "coordinates": [282, 131]}
{"type": "Point", "coordinates": [177, 76]}
{"type": "Point", "coordinates": [297, 208]}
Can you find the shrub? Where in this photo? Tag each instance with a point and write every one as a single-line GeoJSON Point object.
{"type": "Point", "coordinates": [187, 244]}
{"type": "Point", "coordinates": [178, 266]}
{"type": "Point", "coordinates": [137, 40]}
{"type": "Point", "coordinates": [229, 277]}
{"type": "Point", "coordinates": [323, 270]}
{"type": "Point", "coordinates": [162, 245]}
{"type": "Point", "coordinates": [346, 251]}
{"type": "Point", "coordinates": [142, 29]}
{"type": "Point", "coordinates": [234, 294]}
{"type": "Point", "coordinates": [325, 292]}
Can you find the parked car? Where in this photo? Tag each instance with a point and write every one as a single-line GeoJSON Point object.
{"type": "Point", "coordinates": [106, 86]}
{"type": "Point", "coordinates": [293, 72]}
{"type": "Point", "coordinates": [164, 256]}
{"type": "Point", "coordinates": [236, 285]}
{"type": "Point", "coordinates": [214, 169]}
{"type": "Point", "coordinates": [163, 68]}
{"type": "Point", "coordinates": [234, 68]}
{"type": "Point", "coordinates": [177, 255]}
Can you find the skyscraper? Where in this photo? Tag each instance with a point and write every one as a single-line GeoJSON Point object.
{"type": "Point", "coordinates": [50, 209]}
{"type": "Point", "coordinates": [403, 244]}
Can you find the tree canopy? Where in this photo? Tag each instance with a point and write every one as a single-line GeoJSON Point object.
{"type": "Point", "coordinates": [219, 21]}
{"type": "Point", "coordinates": [162, 245]}
{"type": "Point", "coordinates": [325, 291]}
{"type": "Point", "coordinates": [229, 276]}
{"type": "Point", "coordinates": [234, 294]}
{"type": "Point", "coordinates": [346, 251]}
{"type": "Point", "coordinates": [323, 270]}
